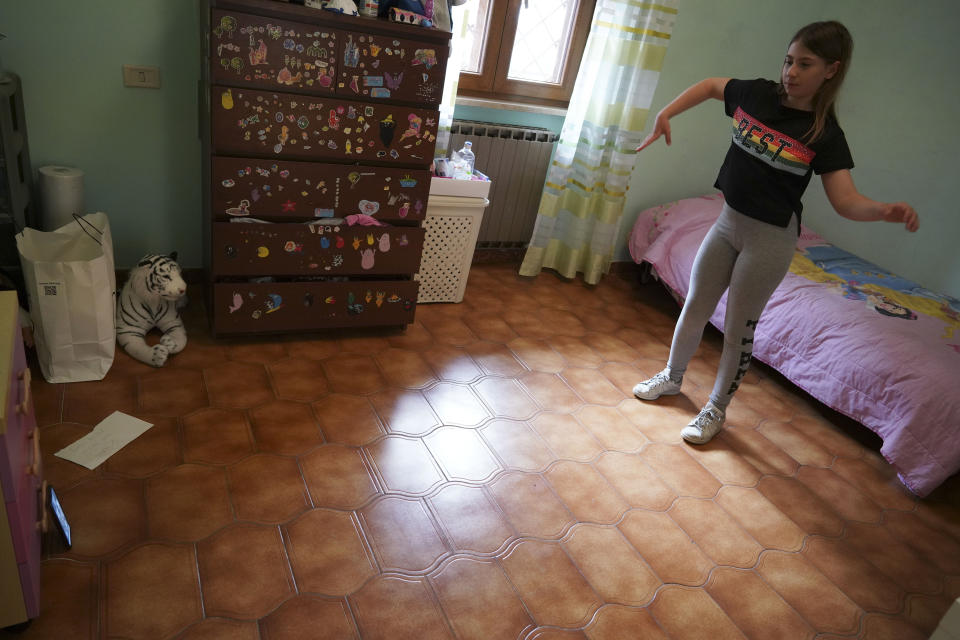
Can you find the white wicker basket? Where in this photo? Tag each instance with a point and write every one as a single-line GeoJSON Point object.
{"type": "Point", "coordinates": [452, 226]}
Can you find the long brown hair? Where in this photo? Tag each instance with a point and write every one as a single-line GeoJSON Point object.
{"type": "Point", "coordinates": [831, 41]}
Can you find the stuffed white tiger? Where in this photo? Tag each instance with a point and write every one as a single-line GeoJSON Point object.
{"type": "Point", "coordinates": [149, 299]}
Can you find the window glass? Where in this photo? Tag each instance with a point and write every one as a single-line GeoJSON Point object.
{"type": "Point", "coordinates": [475, 17]}
{"type": "Point", "coordinates": [543, 35]}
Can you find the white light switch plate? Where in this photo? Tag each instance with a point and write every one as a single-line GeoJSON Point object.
{"type": "Point", "coordinates": [144, 77]}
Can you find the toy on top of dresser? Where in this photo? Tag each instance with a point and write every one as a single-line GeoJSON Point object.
{"type": "Point", "coordinates": [150, 299]}
{"type": "Point", "coordinates": [347, 7]}
{"type": "Point", "coordinates": [408, 11]}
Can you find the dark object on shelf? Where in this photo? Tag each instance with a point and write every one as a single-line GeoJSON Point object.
{"type": "Point", "coordinates": [405, 5]}
{"type": "Point", "coordinates": [17, 208]}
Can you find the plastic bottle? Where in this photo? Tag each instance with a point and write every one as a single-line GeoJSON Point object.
{"type": "Point", "coordinates": [463, 162]}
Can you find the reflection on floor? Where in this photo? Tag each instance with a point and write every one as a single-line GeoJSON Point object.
{"type": "Point", "coordinates": [484, 474]}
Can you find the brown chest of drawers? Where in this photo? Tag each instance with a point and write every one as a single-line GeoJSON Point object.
{"type": "Point", "coordinates": [318, 133]}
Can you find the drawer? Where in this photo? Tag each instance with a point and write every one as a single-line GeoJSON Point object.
{"type": "Point", "coordinates": [261, 123]}
{"type": "Point", "coordinates": [288, 249]}
{"type": "Point", "coordinates": [30, 584]}
{"type": "Point", "coordinates": [23, 515]}
{"type": "Point", "coordinates": [384, 68]}
{"type": "Point", "coordinates": [305, 306]}
{"type": "Point", "coordinates": [17, 449]}
{"type": "Point", "coordinates": [260, 52]}
{"type": "Point", "coordinates": [285, 190]}
{"type": "Point", "coordinates": [14, 457]}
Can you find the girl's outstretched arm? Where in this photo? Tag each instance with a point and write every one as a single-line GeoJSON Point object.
{"type": "Point", "coordinates": [851, 204]}
{"type": "Point", "coordinates": [709, 88]}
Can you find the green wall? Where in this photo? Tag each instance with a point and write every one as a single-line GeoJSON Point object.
{"type": "Point", "coordinates": [138, 147]}
{"type": "Point", "coordinates": [140, 150]}
{"type": "Point", "coordinates": [898, 110]}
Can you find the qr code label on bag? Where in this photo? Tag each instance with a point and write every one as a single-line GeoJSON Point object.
{"type": "Point", "coordinates": [50, 288]}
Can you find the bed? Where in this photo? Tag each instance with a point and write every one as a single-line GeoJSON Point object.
{"type": "Point", "coordinates": [862, 340]}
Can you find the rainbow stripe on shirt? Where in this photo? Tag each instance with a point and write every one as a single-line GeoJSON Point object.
{"type": "Point", "coordinates": [769, 145]}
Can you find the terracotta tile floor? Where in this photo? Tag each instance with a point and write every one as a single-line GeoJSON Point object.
{"type": "Point", "coordinates": [485, 474]}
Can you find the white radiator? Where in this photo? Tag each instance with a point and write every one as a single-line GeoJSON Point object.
{"type": "Point", "coordinates": [516, 159]}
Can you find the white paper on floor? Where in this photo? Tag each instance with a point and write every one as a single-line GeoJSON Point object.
{"type": "Point", "coordinates": [112, 434]}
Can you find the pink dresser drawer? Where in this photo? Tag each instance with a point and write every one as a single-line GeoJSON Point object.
{"type": "Point", "coordinates": [20, 475]}
{"type": "Point", "coordinates": [23, 515]}
{"type": "Point", "coordinates": [30, 583]}
{"type": "Point", "coordinates": [30, 568]}
{"type": "Point", "coordinates": [16, 443]}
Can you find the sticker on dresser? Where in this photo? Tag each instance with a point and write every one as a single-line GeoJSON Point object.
{"type": "Point", "coordinates": [289, 249]}
{"type": "Point", "coordinates": [281, 124]}
{"type": "Point", "coordinates": [285, 306]}
{"type": "Point", "coordinates": [286, 190]}
{"type": "Point", "coordinates": [265, 52]}
{"type": "Point", "coordinates": [386, 68]}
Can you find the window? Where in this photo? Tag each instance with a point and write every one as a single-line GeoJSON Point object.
{"type": "Point", "coordinates": [524, 50]}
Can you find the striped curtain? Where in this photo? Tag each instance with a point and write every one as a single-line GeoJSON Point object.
{"type": "Point", "coordinates": [452, 78]}
{"type": "Point", "coordinates": [586, 187]}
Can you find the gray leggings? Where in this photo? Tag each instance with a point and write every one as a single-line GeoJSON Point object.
{"type": "Point", "coordinates": [751, 258]}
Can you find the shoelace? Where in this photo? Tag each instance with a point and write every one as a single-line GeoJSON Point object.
{"type": "Point", "coordinates": [659, 379]}
{"type": "Point", "coordinates": [704, 417]}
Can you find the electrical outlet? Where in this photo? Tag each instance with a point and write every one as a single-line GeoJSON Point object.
{"type": "Point", "coordinates": [142, 77]}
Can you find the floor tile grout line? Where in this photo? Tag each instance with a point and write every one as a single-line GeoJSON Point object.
{"type": "Point", "coordinates": [356, 518]}
{"type": "Point", "coordinates": [455, 550]}
{"type": "Point", "coordinates": [196, 567]}
{"type": "Point", "coordinates": [883, 512]}
{"type": "Point", "coordinates": [120, 550]}
{"type": "Point", "coordinates": [432, 492]}
{"type": "Point", "coordinates": [435, 597]}
{"type": "Point", "coordinates": [516, 591]}
{"type": "Point", "coordinates": [753, 570]}
{"type": "Point", "coordinates": [565, 536]}
{"type": "Point", "coordinates": [286, 556]}
{"type": "Point", "coordinates": [100, 605]}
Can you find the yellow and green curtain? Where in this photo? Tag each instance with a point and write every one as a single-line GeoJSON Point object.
{"type": "Point", "coordinates": [582, 203]}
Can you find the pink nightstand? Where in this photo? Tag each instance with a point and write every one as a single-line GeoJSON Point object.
{"type": "Point", "coordinates": [22, 508]}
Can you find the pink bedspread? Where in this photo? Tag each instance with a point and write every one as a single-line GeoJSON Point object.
{"type": "Point", "coordinates": [876, 347]}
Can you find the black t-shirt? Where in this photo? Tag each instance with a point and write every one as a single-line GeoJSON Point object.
{"type": "Point", "coordinates": [767, 168]}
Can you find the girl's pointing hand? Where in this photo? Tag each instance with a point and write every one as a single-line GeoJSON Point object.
{"type": "Point", "coordinates": [660, 128]}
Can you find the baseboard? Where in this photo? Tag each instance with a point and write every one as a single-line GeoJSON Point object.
{"type": "Point", "coordinates": [625, 267]}
{"type": "Point", "coordinates": [489, 255]}
{"type": "Point", "coordinates": [486, 255]}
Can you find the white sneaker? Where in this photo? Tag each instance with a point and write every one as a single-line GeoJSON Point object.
{"type": "Point", "coordinates": [706, 425]}
{"type": "Point", "coordinates": [658, 385]}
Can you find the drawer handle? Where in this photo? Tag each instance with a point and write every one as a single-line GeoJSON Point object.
{"type": "Point", "coordinates": [24, 405]}
{"type": "Point", "coordinates": [34, 468]}
{"type": "Point", "coordinates": [43, 524]}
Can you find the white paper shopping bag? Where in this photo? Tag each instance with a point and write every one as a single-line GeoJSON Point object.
{"type": "Point", "coordinates": [71, 284]}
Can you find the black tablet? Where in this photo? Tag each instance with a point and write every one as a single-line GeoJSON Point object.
{"type": "Point", "coordinates": [60, 518]}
